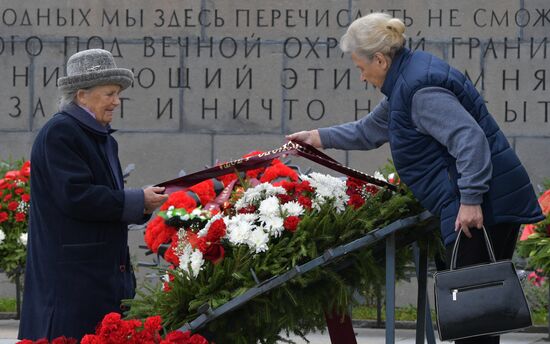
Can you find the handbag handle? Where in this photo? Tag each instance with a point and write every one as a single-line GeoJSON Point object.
{"type": "Point", "coordinates": [487, 243]}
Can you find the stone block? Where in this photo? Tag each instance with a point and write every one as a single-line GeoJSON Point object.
{"type": "Point", "coordinates": [533, 153]}
{"type": "Point", "coordinates": [122, 19]}
{"type": "Point", "coordinates": [439, 21]}
{"type": "Point", "coordinates": [153, 102]}
{"type": "Point", "coordinates": [325, 92]}
{"type": "Point", "coordinates": [16, 145]}
{"type": "Point", "coordinates": [160, 157]}
{"type": "Point", "coordinates": [15, 94]}
{"type": "Point", "coordinates": [279, 19]}
{"type": "Point", "coordinates": [47, 68]}
{"type": "Point", "coordinates": [236, 99]}
{"type": "Point", "coordinates": [516, 91]}
{"type": "Point", "coordinates": [534, 19]}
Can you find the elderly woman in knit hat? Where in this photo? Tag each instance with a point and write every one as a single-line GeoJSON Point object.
{"type": "Point", "coordinates": [78, 263]}
{"type": "Point", "coordinates": [445, 144]}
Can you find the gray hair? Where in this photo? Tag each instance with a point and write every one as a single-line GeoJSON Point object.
{"type": "Point", "coordinates": [66, 98]}
{"type": "Point", "coordinates": [375, 32]}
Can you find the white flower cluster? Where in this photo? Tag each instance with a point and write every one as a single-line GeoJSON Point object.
{"type": "Point", "coordinates": [327, 188]}
{"type": "Point", "coordinates": [256, 229]}
{"type": "Point", "coordinates": [2, 236]}
{"type": "Point", "coordinates": [22, 207]}
{"type": "Point", "coordinates": [191, 261]}
{"type": "Point", "coordinates": [23, 238]}
{"type": "Point", "coordinates": [261, 191]}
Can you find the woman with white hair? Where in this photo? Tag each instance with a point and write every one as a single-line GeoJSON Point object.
{"type": "Point", "coordinates": [78, 263]}
{"type": "Point", "coordinates": [445, 144]}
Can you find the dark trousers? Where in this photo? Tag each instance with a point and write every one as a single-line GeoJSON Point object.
{"type": "Point", "coordinates": [473, 251]}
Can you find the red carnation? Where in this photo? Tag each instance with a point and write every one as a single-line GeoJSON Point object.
{"type": "Point", "coordinates": [205, 191]}
{"type": "Point", "coordinates": [12, 175]}
{"type": "Point", "coordinates": [3, 185]}
{"type": "Point", "coordinates": [177, 337]}
{"type": "Point", "coordinates": [19, 191]}
{"type": "Point", "coordinates": [153, 323]}
{"type": "Point", "coordinates": [157, 233]}
{"type": "Point", "coordinates": [3, 216]}
{"type": "Point", "coordinates": [20, 217]}
{"type": "Point", "coordinates": [197, 339]}
{"type": "Point", "coordinates": [64, 340]}
{"type": "Point", "coordinates": [8, 197]}
{"type": "Point", "coordinates": [25, 341]}
{"type": "Point", "coordinates": [180, 199]}
{"type": "Point", "coordinates": [305, 202]}
{"type": "Point", "coordinates": [170, 254]}
{"type": "Point", "coordinates": [214, 253]}
{"type": "Point", "coordinates": [291, 223]}
{"type": "Point", "coordinates": [304, 187]}
{"type": "Point", "coordinates": [226, 179]}
{"type": "Point", "coordinates": [25, 198]}
{"type": "Point", "coordinates": [216, 231]}
{"type": "Point", "coordinates": [288, 186]}
{"type": "Point", "coordinates": [13, 205]}
{"type": "Point", "coordinates": [356, 201]}
{"type": "Point", "coordinates": [544, 201]}
{"type": "Point", "coordinates": [278, 171]}
{"type": "Point", "coordinates": [197, 242]}
{"type": "Point", "coordinates": [42, 341]}
{"type": "Point", "coordinates": [25, 170]}
{"type": "Point", "coordinates": [284, 198]}
{"type": "Point", "coordinates": [91, 339]}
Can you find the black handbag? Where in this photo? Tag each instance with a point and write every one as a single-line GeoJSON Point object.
{"type": "Point", "coordinates": [477, 300]}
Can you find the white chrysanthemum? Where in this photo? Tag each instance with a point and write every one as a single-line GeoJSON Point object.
{"type": "Point", "coordinates": [2, 236]}
{"type": "Point", "coordinates": [258, 240]}
{"type": "Point", "coordinates": [204, 231]}
{"type": "Point", "coordinates": [239, 228]}
{"type": "Point", "coordinates": [327, 188]}
{"type": "Point", "coordinates": [292, 209]}
{"type": "Point", "coordinates": [273, 224]}
{"type": "Point", "coordinates": [185, 258]}
{"type": "Point", "coordinates": [269, 207]}
{"type": "Point", "coordinates": [257, 193]}
{"type": "Point", "coordinates": [379, 175]}
{"type": "Point", "coordinates": [23, 238]}
{"type": "Point", "coordinates": [197, 261]}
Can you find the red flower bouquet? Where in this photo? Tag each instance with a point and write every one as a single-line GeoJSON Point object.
{"type": "Point", "coordinates": [115, 330]}
{"type": "Point", "coordinates": [265, 222]}
{"type": "Point", "coordinates": [534, 242]}
{"type": "Point", "coordinates": [14, 205]}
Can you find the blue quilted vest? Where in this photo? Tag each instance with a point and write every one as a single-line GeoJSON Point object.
{"type": "Point", "coordinates": [427, 167]}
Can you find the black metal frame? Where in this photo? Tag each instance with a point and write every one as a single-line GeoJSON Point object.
{"type": "Point", "coordinates": [387, 233]}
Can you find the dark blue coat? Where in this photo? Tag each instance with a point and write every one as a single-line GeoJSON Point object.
{"type": "Point", "coordinates": [427, 167]}
{"type": "Point", "coordinates": [78, 266]}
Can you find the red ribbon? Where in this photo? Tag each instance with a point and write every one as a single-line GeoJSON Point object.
{"type": "Point", "coordinates": [263, 159]}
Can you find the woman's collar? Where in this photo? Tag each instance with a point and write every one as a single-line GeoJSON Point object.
{"type": "Point", "coordinates": [85, 119]}
{"type": "Point", "coordinates": [393, 72]}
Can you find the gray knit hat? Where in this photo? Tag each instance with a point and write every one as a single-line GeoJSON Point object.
{"type": "Point", "coordinates": [94, 67]}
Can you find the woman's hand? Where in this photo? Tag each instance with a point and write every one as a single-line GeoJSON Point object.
{"type": "Point", "coordinates": [310, 137]}
{"type": "Point", "coordinates": [469, 216]}
{"type": "Point", "coordinates": [153, 198]}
